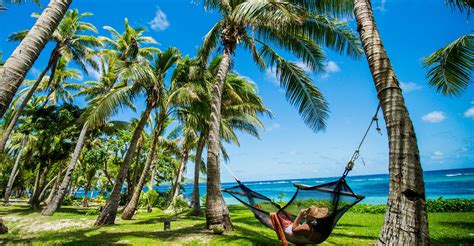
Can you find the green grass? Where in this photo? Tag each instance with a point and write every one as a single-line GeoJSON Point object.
{"type": "Point", "coordinates": [147, 228]}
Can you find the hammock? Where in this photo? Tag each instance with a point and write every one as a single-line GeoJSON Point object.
{"type": "Point", "coordinates": [337, 196]}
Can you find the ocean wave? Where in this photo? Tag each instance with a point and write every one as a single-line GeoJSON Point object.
{"type": "Point", "coordinates": [453, 174]}
{"type": "Point", "coordinates": [319, 181]}
{"type": "Point", "coordinates": [358, 180]}
{"type": "Point", "coordinates": [376, 179]}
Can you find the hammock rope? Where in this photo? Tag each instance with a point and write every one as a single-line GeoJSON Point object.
{"type": "Point", "coordinates": [336, 196]}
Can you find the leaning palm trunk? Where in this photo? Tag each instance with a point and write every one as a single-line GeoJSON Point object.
{"type": "Point", "coordinates": [85, 199]}
{"type": "Point", "coordinates": [34, 200]}
{"type": "Point", "coordinates": [57, 200]}
{"type": "Point", "coordinates": [107, 216]}
{"type": "Point", "coordinates": [197, 170]}
{"type": "Point", "coordinates": [19, 63]}
{"type": "Point", "coordinates": [53, 188]}
{"type": "Point", "coordinates": [179, 177]}
{"type": "Point", "coordinates": [11, 180]}
{"type": "Point", "coordinates": [132, 205]}
{"type": "Point", "coordinates": [406, 219]}
{"type": "Point", "coordinates": [216, 209]}
{"type": "Point", "coordinates": [26, 100]}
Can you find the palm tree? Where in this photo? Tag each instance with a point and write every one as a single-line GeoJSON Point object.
{"type": "Point", "coordinates": [14, 172]}
{"type": "Point", "coordinates": [94, 116]}
{"type": "Point", "coordinates": [70, 43]}
{"type": "Point", "coordinates": [60, 88]}
{"type": "Point", "coordinates": [132, 66]}
{"type": "Point", "coordinates": [450, 68]}
{"type": "Point", "coordinates": [241, 103]}
{"type": "Point", "coordinates": [179, 92]}
{"type": "Point", "coordinates": [291, 25]}
{"type": "Point", "coordinates": [15, 68]}
{"type": "Point", "coordinates": [406, 217]}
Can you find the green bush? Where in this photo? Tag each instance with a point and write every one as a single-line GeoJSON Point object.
{"type": "Point", "coordinates": [439, 205]}
{"type": "Point", "coordinates": [67, 201]}
{"type": "Point", "coordinates": [94, 211]}
{"type": "Point", "coordinates": [203, 200]}
{"type": "Point", "coordinates": [450, 205]}
{"type": "Point", "coordinates": [156, 199]}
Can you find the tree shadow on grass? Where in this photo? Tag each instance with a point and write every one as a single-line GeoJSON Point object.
{"type": "Point", "coordinates": [463, 225]}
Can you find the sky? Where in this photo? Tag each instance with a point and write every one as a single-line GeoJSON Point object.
{"type": "Point", "coordinates": [288, 149]}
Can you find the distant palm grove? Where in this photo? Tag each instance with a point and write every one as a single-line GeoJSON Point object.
{"type": "Point", "coordinates": [60, 137]}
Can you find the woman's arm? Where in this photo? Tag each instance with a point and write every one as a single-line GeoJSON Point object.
{"type": "Point", "coordinates": [297, 228]}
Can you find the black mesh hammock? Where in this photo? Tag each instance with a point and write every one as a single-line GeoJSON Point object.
{"type": "Point", "coordinates": [337, 196]}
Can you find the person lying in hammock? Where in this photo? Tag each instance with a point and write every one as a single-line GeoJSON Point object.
{"type": "Point", "coordinates": [311, 215]}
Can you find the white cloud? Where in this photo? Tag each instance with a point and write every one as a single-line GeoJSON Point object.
{"type": "Point", "coordinates": [35, 72]}
{"type": "Point", "coordinates": [437, 155]}
{"type": "Point", "coordinates": [94, 74]}
{"type": "Point", "coordinates": [332, 67]}
{"type": "Point", "coordinates": [303, 66]}
{"type": "Point", "coordinates": [273, 126]}
{"type": "Point", "coordinates": [469, 113]}
{"type": "Point", "coordinates": [160, 22]}
{"type": "Point", "coordinates": [434, 117]}
{"type": "Point", "coordinates": [270, 75]}
{"type": "Point", "coordinates": [410, 86]}
{"type": "Point", "coordinates": [381, 7]}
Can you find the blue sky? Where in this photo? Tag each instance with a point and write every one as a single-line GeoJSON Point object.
{"type": "Point", "coordinates": [288, 149]}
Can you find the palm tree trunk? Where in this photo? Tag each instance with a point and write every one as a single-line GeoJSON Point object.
{"type": "Point", "coordinates": [39, 181]}
{"type": "Point", "coordinates": [406, 218]}
{"type": "Point", "coordinates": [151, 183]}
{"type": "Point", "coordinates": [53, 188]}
{"type": "Point", "coordinates": [107, 216]}
{"type": "Point", "coordinates": [129, 211]}
{"type": "Point", "coordinates": [197, 171]}
{"type": "Point", "coordinates": [179, 177]}
{"type": "Point", "coordinates": [11, 180]}
{"type": "Point", "coordinates": [19, 63]}
{"type": "Point", "coordinates": [216, 209]}
{"type": "Point", "coordinates": [85, 199]}
{"type": "Point", "coordinates": [58, 199]}
{"type": "Point", "coordinates": [26, 100]}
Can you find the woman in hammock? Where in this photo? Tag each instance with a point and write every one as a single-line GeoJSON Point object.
{"type": "Point", "coordinates": [290, 228]}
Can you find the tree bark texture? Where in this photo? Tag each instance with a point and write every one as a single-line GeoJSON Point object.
{"type": "Point", "coordinates": [406, 217]}
{"type": "Point", "coordinates": [217, 212]}
{"type": "Point", "coordinates": [20, 62]}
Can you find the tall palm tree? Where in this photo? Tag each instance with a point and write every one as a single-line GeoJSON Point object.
{"type": "Point", "coordinates": [242, 105]}
{"type": "Point", "coordinates": [450, 68]}
{"type": "Point", "coordinates": [71, 43]}
{"type": "Point", "coordinates": [20, 62]}
{"type": "Point", "coordinates": [96, 115]}
{"type": "Point", "coordinates": [180, 91]}
{"type": "Point", "coordinates": [133, 66]}
{"type": "Point", "coordinates": [406, 217]}
{"type": "Point", "coordinates": [295, 26]}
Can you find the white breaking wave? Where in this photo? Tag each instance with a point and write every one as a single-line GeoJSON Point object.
{"type": "Point", "coordinates": [453, 175]}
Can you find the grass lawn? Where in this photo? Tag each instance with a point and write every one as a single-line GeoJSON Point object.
{"type": "Point", "coordinates": [71, 226]}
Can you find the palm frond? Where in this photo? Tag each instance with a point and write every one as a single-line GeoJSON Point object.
{"type": "Point", "coordinates": [300, 91]}
{"type": "Point", "coordinates": [450, 68]}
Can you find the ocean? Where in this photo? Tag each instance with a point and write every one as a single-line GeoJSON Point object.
{"type": "Point", "coordinates": [453, 183]}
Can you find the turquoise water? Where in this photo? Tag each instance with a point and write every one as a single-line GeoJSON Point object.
{"type": "Point", "coordinates": [454, 183]}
